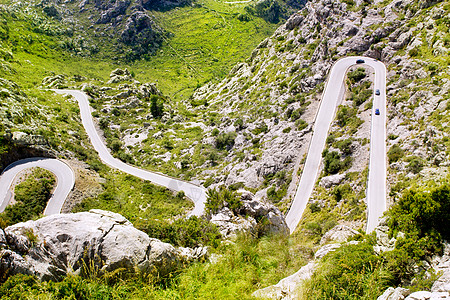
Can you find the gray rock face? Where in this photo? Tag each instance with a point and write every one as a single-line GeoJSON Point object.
{"type": "Point", "coordinates": [285, 289]}
{"type": "Point", "coordinates": [329, 181]}
{"type": "Point", "coordinates": [140, 28]}
{"type": "Point", "coordinates": [119, 75]}
{"type": "Point", "coordinates": [26, 139]}
{"type": "Point", "coordinates": [394, 294]}
{"type": "Point", "coordinates": [56, 245]}
{"type": "Point", "coordinates": [115, 10]}
{"type": "Point", "coordinates": [254, 216]}
{"type": "Point", "coordinates": [339, 233]}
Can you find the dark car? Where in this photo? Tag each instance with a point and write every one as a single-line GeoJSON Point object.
{"type": "Point", "coordinates": [360, 61]}
{"type": "Point", "coordinates": [377, 111]}
{"type": "Point", "coordinates": [377, 92]}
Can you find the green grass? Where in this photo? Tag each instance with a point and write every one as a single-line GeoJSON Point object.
{"type": "Point", "coordinates": [208, 41]}
{"type": "Point", "coordinates": [136, 199]}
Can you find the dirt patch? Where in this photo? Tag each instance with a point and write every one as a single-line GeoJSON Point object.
{"type": "Point", "coordinates": [87, 184]}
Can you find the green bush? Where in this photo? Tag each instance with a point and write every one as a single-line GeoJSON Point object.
{"type": "Point", "coordinates": [217, 199]}
{"type": "Point", "coordinates": [332, 162]}
{"type": "Point", "coordinates": [350, 272]}
{"type": "Point", "coordinates": [192, 232]}
{"type": "Point", "coordinates": [415, 164]}
{"type": "Point", "coordinates": [356, 75]}
{"type": "Point", "coordinates": [395, 153]}
{"type": "Point", "coordinates": [423, 216]}
{"type": "Point", "coordinates": [156, 106]}
{"type": "Point", "coordinates": [225, 140]}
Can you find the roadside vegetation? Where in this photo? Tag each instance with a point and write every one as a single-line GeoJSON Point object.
{"type": "Point", "coordinates": [30, 197]}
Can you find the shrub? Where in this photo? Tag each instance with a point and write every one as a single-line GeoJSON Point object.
{"type": "Point", "coordinates": [349, 272]}
{"type": "Point", "coordinates": [333, 164]}
{"type": "Point", "coordinates": [415, 165]}
{"type": "Point", "coordinates": [345, 146]}
{"type": "Point", "coordinates": [225, 140]}
{"type": "Point", "coordinates": [423, 216]}
{"type": "Point", "coordinates": [215, 132]}
{"type": "Point", "coordinates": [217, 199]}
{"type": "Point", "coordinates": [191, 232]}
{"type": "Point", "coordinates": [395, 153]}
{"type": "Point", "coordinates": [356, 75]}
{"type": "Point", "coordinates": [345, 115]}
{"type": "Point", "coordinates": [156, 106]}
{"type": "Point", "coordinates": [262, 128]}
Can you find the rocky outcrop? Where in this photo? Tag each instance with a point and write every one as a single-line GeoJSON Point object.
{"type": "Point", "coordinates": [55, 82]}
{"type": "Point", "coordinates": [440, 288]}
{"type": "Point", "coordinates": [141, 29]}
{"type": "Point", "coordinates": [394, 294]}
{"type": "Point", "coordinates": [119, 75]}
{"type": "Point", "coordinates": [113, 10]}
{"type": "Point", "coordinates": [255, 216]}
{"type": "Point", "coordinates": [339, 233]}
{"type": "Point", "coordinates": [56, 245]}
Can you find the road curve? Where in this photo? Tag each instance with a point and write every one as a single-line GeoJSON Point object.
{"type": "Point", "coordinates": [331, 98]}
{"type": "Point", "coordinates": [64, 176]}
{"type": "Point", "coordinates": [194, 192]}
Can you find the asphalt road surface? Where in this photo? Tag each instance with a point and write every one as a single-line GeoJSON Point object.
{"type": "Point", "coordinates": [194, 192]}
{"type": "Point", "coordinates": [65, 180]}
{"type": "Point", "coordinates": [332, 97]}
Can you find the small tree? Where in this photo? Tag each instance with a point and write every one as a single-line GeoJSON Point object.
{"type": "Point", "coordinates": [156, 106]}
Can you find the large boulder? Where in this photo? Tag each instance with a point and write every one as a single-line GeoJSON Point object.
{"type": "Point", "coordinates": [56, 245]}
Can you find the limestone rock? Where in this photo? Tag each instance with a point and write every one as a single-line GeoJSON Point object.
{"type": "Point", "coordinates": [26, 139]}
{"type": "Point", "coordinates": [394, 294]}
{"type": "Point", "coordinates": [285, 289]}
{"type": "Point", "coordinates": [294, 21]}
{"type": "Point", "coordinates": [442, 284]}
{"type": "Point", "coordinates": [55, 82]}
{"type": "Point", "coordinates": [56, 245]}
{"type": "Point", "coordinates": [339, 233]}
{"type": "Point", "coordinates": [255, 215]}
{"type": "Point", "coordinates": [119, 8]}
{"type": "Point", "coordinates": [119, 75]}
{"type": "Point", "coordinates": [141, 29]}
{"type": "Point", "coordinates": [324, 250]}
{"type": "Point", "coordinates": [329, 181]}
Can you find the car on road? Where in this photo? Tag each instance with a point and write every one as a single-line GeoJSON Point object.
{"type": "Point", "coordinates": [360, 61]}
{"type": "Point", "coordinates": [377, 111]}
{"type": "Point", "coordinates": [377, 92]}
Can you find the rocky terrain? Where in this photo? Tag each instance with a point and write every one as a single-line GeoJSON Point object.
{"type": "Point", "coordinates": [249, 133]}
{"type": "Point", "coordinates": [96, 241]}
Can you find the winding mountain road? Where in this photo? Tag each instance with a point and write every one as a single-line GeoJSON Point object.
{"type": "Point", "coordinates": [194, 192]}
{"type": "Point", "coordinates": [65, 180]}
{"type": "Point", "coordinates": [332, 97]}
